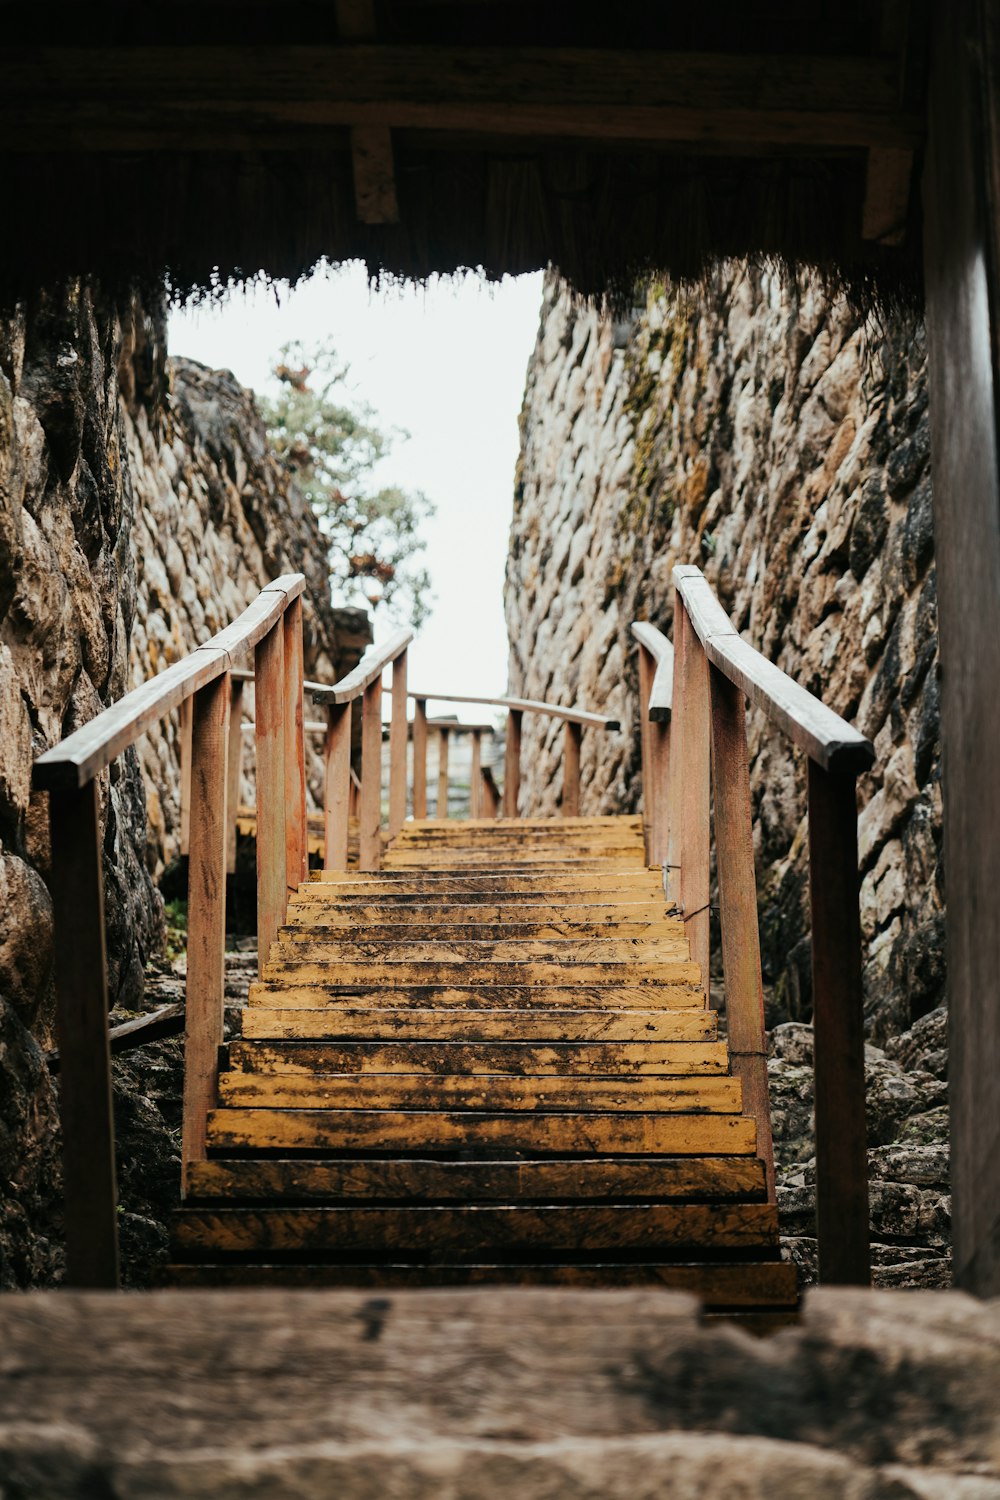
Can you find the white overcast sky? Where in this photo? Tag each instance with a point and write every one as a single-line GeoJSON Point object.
{"type": "Point", "coordinates": [447, 363]}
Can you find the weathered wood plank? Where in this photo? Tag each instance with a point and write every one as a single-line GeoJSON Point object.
{"type": "Point", "coordinates": [234, 766]}
{"type": "Point", "coordinates": [387, 1131]}
{"type": "Point", "coordinates": [641, 1093]}
{"type": "Point", "coordinates": [466, 1232]}
{"type": "Point", "coordinates": [621, 1178]}
{"type": "Point", "coordinates": [368, 670]}
{"type": "Point", "coordinates": [512, 763]}
{"type": "Point", "coordinates": [693, 710]}
{"type": "Point", "coordinates": [456, 1023]}
{"type": "Point", "coordinates": [310, 946]}
{"type": "Point", "coordinates": [620, 1060]}
{"type": "Point", "coordinates": [296, 851]}
{"type": "Point", "coordinates": [842, 1223]}
{"type": "Point", "coordinates": [269, 694]}
{"type": "Point", "coordinates": [516, 995]}
{"type": "Point", "coordinates": [382, 929]}
{"type": "Point", "coordinates": [206, 946]}
{"type": "Point", "coordinates": [81, 984]}
{"type": "Point", "coordinates": [336, 786]}
{"type": "Point", "coordinates": [370, 802]}
{"type": "Point", "coordinates": [441, 803]}
{"type": "Point", "coordinates": [570, 807]}
{"type": "Point", "coordinates": [465, 972]}
{"type": "Point", "coordinates": [418, 915]}
{"type": "Point", "coordinates": [476, 776]}
{"type": "Point", "coordinates": [399, 730]}
{"type": "Point", "coordinates": [420, 758]}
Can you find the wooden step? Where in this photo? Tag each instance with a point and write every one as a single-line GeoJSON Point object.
{"type": "Point", "coordinates": [400, 882]}
{"type": "Point", "coordinates": [491, 1092]}
{"type": "Point", "coordinates": [518, 997]}
{"type": "Point", "coordinates": [649, 973]}
{"type": "Point", "coordinates": [620, 1178]}
{"type": "Point", "coordinates": [387, 931]}
{"type": "Point", "coordinates": [306, 944]}
{"type": "Point", "coordinates": [469, 1058]}
{"type": "Point", "coordinates": [467, 1232]}
{"type": "Point", "coordinates": [338, 1019]}
{"type": "Point", "coordinates": [414, 914]}
{"type": "Point", "coordinates": [743, 1284]}
{"type": "Point", "coordinates": [420, 1131]}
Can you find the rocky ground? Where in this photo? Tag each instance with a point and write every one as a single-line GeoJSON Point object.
{"type": "Point", "coordinates": [907, 1104]}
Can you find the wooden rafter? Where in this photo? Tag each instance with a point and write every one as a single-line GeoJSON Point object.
{"type": "Point", "coordinates": [372, 162]}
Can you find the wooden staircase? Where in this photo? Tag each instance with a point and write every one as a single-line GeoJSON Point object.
{"type": "Point", "coordinates": [489, 1062]}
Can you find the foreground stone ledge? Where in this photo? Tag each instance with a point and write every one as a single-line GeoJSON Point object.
{"type": "Point", "coordinates": [877, 1395]}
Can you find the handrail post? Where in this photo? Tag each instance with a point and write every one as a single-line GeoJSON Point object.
{"type": "Point", "coordinates": [185, 755]}
{"type": "Point", "coordinates": [441, 807]}
{"type": "Point", "coordinates": [738, 910]}
{"type": "Point", "coordinates": [475, 776]}
{"type": "Point", "coordinates": [234, 764]}
{"type": "Point", "coordinates": [81, 980]}
{"type": "Point", "coordinates": [269, 695]}
{"type": "Point", "coordinates": [206, 947]}
{"type": "Point", "coordinates": [296, 827]}
{"type": "Point", "coordinates": [491, 802]}
{"type": "Point", "coordinates": [337, 785]}
{"type": "Point", "coordinates": [370, 800]}
{"type": "Point", "coordinates": [398, 735]}
{"type": "Point", "coordinates": [512, 764]}
{"type": "Point", "coordinates": [420, 758]}
{"type": "Point", "coordinates": [651, 793]}
{"type": "Point", "coordinates": [571, 770]}
{"type": "Point", "coordinates": [690, 787]}
{"type": "Point", "coordinates": [842, 1215]}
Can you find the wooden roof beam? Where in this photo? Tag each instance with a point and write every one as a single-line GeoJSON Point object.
{"type": "Point", "coordinates": [195, 98]}
{"type": "Point", "coordinates": [372, 162]}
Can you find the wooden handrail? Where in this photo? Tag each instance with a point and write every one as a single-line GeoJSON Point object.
{"type": "Point", "coordinates": [79, 757]}
{"type": "Point", "coordinates": [526, 706]}
{"type": "Point", "coordinates": [660, 694]}
{"type": "Point", "coordinates": [201, 684]}
{"type": "Point", "coordinates": [656, 691]}
{"type": "Point", "coordinates": [822, 734]}
{"type": "Point", "coordinates": [714, 671]}
{"type": "Point", "coordinates": [368, 670]}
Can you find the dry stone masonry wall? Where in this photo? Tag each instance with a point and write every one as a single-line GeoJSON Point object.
{"type": "Point", "coordinates": [139, 512]}
{"type": "Point", "coordinates": [762, 430]}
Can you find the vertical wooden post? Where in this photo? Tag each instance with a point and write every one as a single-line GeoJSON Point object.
{"type": "Point", "coordinates": [650, 790]}
{"type": "Point", "coordinates": [269, 696]}
{"type": "Point", "coordinates": [441, 809]}
{"type": "Point", "coordinates": [491, 799]}
{"type": "Point", "coordinates": [296, 827]}
{"type": "Point", "coordinates": [81, 981]}
{"type": "Point", "coordinates": [838, 1030]}
{"type": "Point", "coordinates": [398, 735]}
{"type": "Point", "coordinates": [692, 787]}
{"type": "Point", "coordinates": [738, 910]}
{"type": "Point", "coordinates": [512, 764]}
{"type": "Point", "coordinates": [233, 772]}
{"type": "Point", "coordinates": [370, 801]}
{"type": "Point", "coordinates": [420, 758]}
{"type": "Point", "coordinates": [337, 785]}
{"type": "Point", "coordinates": [659, 756]}
{"type": "Point", "coordinates": [675, 790]}
{"type": "Point", "coordinates": [185, 716]}
{"type": "Point", "coordinates": [206, 948]}
{"type": "Point", "coordinates": [571, 770]}
{"type": "Point", "coordinates": [961, 202]}
{"type": "Point", "coordinates": [476, 776]}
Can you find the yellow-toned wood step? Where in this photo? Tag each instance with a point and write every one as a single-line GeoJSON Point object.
{"type": "Point", "coordinates": [564, 1134]}
{"type": "Point", "coordinates": [415, 914]}
{"type": "Point", "coordinates": [492, 1092]}
{"type": "Point", "coordinates": [436, 931]}
{"type": "Point", "coordinates": [341, 1020]}
{"type": "Point", "coordinates": [651, 973]}
{"type": "Point", "coordinates": [619, 1178]}
{"type": "Point", "coordinates": [466, 1232]}
{"type": "Point", "coordinates": [306, 944]}
{"type": "Point", "coordinates": [658, 1059]}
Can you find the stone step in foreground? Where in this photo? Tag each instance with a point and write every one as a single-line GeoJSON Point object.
{"type": "Point", "coordinates": [471, 1395]}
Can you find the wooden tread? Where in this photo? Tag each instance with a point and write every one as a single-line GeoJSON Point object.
{"type": "Point", "coordinates": [490, 1061]}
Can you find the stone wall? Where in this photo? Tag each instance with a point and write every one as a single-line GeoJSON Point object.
{"type": "Point", "coordinates": [139, 512]}
{"type": "Point", "coordinates": [766, 434]}
{"type": "Point", "coordinates": [761, 430]}
{"type": "Point", "coordinates": [217, 518]}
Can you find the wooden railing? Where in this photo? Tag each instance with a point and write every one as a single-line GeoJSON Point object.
{"type": "Point", "coordinates": [575, 719]}
{"type": "Point", "coordinates": [271, 629]}
{"type": "Point", "coordinates": [701, 756]}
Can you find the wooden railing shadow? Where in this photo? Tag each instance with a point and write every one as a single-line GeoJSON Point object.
{"type": "Point", "coordinates": [694, 745]}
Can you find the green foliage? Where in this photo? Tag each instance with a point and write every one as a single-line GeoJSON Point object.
{"type": "Point", "coordinates": [177, 917]}
{"type": "Point", "coordinates": [332, 445]}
